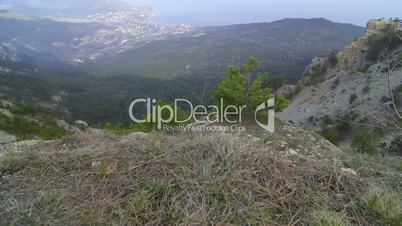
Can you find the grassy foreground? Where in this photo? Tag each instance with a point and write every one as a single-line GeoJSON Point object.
{"type": "Point", "coordinates": [293, 177]}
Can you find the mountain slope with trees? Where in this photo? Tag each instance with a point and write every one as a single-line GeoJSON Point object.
{"type": "Point", "coordinates": [284, 47]}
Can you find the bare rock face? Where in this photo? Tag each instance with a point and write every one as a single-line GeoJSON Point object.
{"type": "Point", "coordinates": [356, 83]}
{"type": "Point", "coordinates": [353, 57]}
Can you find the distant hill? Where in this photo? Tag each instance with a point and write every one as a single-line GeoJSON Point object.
{"type": "Point", "coordinates": [284, 47]}
{"type": "Point", "coordinates": [131, 46]}
{"type": "Point", "coordinates": [38, 40]}
{"type": "Point", "coordinates": [164, 63]}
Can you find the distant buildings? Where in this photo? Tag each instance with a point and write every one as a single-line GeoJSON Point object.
{"type": "Point", "coordinates": [123, 30]}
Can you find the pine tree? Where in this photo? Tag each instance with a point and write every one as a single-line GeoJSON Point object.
{"type": "Point", "coordinates": [233, 88]}
{"type": "Point", "coordinates": [249, 68]}
{"type": "Point", "coordinates": [258, 94]}
{"type": "Point", "coordinates": [238, 88]}
{"type": "Point", "coordinates": [281, 103]}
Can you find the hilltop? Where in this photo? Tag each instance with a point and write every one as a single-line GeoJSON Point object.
{"type": "Point", "coordinates": [291, 177]}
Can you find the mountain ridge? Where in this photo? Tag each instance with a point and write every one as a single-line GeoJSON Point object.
{"type": "Point", "coordinates": [262, 40]}
{"type": "Point", "coordinates": [167, 67]}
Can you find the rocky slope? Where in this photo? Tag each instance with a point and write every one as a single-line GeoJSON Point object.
{"type": "Point", "coordinates": [21, 120]}
{"type": "Point", "coordinates": [357, 83]}
{"type": "Point", "coordinates": [365, 94]}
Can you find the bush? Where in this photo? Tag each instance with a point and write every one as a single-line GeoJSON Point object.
{"type": "Point", "coordinates": [363, 69]}
{"type": "Point", "coordinates": [120, 129]}
{"type": "Point", "coordinates": [384, 207]}
{"type": "Point", "coordinates": [327, 120]}
{"type": "Point", "coordinates": [336, 83]}
{"type": "Point", "coordinates": [276, 82]}
{"type": "Point", "coordinates": [318, 72]}
{"type": "Point", "coordinates": [333, 58]}
{"type": "Point", "coordinates": [281, 103]}
{"type": "Point", "coordinates": [25, 129]}
{"type": "Point", "coordinates": [366, 142]}
{"type": "Point", "coordinates": [366, 89]}
{"type": "Point", "coordinates": [353, 98]}
{"type": "Point", "coordinates": [396, 146]}
{"type": "Point", "coordinates": [389, 38]}
{"type": "Point", "coordinates": [331, 135]}
{"type": "Point", "coordinates": [344, 124]}
{"type": "Point", "coordinates": [339, 128]}
{"type": "Point", "coordinates": [11, 162]}
{"type": "Point", "coordinates": [31, 121]}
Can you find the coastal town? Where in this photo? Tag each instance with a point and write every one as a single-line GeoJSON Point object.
{"type": "Point", "coordinates": [123, 29]}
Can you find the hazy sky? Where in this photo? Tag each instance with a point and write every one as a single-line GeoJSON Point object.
{"type": "Point", "coordinates": [220, 12]}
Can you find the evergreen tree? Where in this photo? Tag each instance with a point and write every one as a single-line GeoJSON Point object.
{"type": "Point", "coordinates": [233, 88]}
{"type": "Point", "coordinates": [258, 94]}
{"type": "Point", "coordinates": [249, 68]}
{"type": "Point", "coordinates": [238, 87]}
{"type": "Point", "coordinates": [281, 103]}
{"type": "Point", "coordinates": [333, 58]}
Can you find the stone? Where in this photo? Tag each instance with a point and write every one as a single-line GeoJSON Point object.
{"type": "Point", "coordinates": [82, 123]}
{"type": "Point", "coordinates": [292, 152]}
{"type": "Point", "coordinates": [96, 163]}
{"type": "Point", "coordinates": [349, 171]}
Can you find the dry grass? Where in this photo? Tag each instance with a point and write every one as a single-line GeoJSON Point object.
{"type": "Point", "coordinates": [327, 218]}
{"type": "Point", "coordinates": [139, 179]}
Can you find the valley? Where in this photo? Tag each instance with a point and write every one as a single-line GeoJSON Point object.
{"type": "Point", "coordinates": [110, 58]}
{"type": "Point", "coordinates": [290, 122]}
